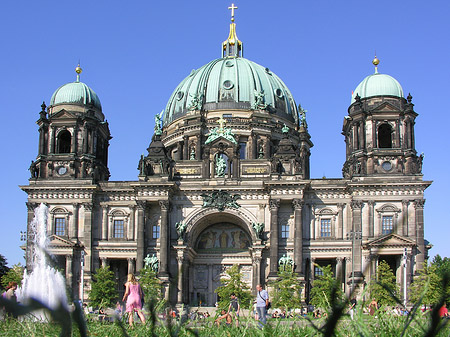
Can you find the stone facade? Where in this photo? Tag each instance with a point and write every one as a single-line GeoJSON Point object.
{"type": "Point", "coordinates": [211, 176]}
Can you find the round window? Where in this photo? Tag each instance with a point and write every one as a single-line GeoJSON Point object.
{"type": "Point", "coordinates": [180, 95]}
{"type": "Point", "coordinates": [229, 63]}
{"type": "Point", "coordinates": [387, 166]}
{"type": "Point", "coordinates": [279, 93]}
{"type": "Point", "coordinates": [228, 84]}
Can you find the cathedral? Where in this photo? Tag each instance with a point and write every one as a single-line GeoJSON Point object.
{"type": "Point", "coordinates": [226, 181]}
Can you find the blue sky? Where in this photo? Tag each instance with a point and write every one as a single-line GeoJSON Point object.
{"type": "Point", "coordinates": [134, 54]}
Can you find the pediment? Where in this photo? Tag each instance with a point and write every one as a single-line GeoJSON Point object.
{"type": "Point", "coordinates": [57, 241]}
{"type": "Point", "coordinates": [63, 114]}
{"type": "Point", "coordinates": [221, 139]}
{"type": "Point", "coordinates": [386, 107]}
{"type": "Point", "coordinates": [391, 240]}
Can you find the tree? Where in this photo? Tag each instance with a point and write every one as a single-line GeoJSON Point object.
{"type": "Point", "coordinates": [326, 290]}
{"type": "Point", "coordinates": [15, 274]}
{"type": "Point", "coordinates": [151, 286]}
{"type": "Point", "coordinates": [383, 284]}
{"type": "Point", "coordinates": [287, 290]}
{"type": "Point", "coordinates": [233, 283]}
{"type": "Point", "coordinates": [427, 283]}
{"type": "Point", "coordinates": [3, 266]}
{"type": "Point", "coordinates": [104, 289]}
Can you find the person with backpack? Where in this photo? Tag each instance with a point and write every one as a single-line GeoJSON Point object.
{"type": "Point", "coordinates": [262, 303]}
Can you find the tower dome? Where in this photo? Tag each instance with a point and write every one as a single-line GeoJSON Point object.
{"type": "Point", "coordinates": [75, 93]}
{"type": "Point", "coordinates": [378, 85]}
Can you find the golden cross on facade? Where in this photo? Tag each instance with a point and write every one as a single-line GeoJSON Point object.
{"type": "Point", "coordinates": [233, 7]}
{"type": "Point", "coordinates": [221, 122]}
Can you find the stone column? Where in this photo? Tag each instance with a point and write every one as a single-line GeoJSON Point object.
{"type": "Point", "coordinates": [140, 235]}
{"type": "Point", "coordinates": [52, 139]}
{"type": "Point", "coordinates": [130, 229]}
{"type": "Point", "coordinates": [313, 261]}
{"type": "Point", "coordinates": [180, 260]}
{"type": "Point", "coordinates": [185, 148]}
{"type": "Point", "coordinates": [298, 235]}
{"type": "Point", "coordinates": [104, 262]}
{"type": "Point", "coordinates": [69, 271]}
{"type": "Point", "coordinates": [339, 263]}
{"type": "Point", "coordinates": [164, 239]}
{"type": "Point", "coordinates": [340, 232]}
{"type": "Point", "coordinates": [356, 228]}
{"type": "Point", "coordinates": [210, 285]}
{"type": "Point", "coordinates": [74, 230]}
{"type": "Point", "coordinates": [256, 259]}
{"type": "Point", "coordinates": [87, 239]}
{"type": "Point", "coordinates": [404, 224]}
{"type": "Point", "coordinates": [274, 204]}
{"type": "Point", "coordinates": [420, 257]}
{"type": "Point", "coordinates": [131, 262]}
{"type": "Point", "coordinates": [371, 204]}
{"type": "Point", "coordinates": [30, 235]}
{"type": "Point", "coordinates": [105, 222]}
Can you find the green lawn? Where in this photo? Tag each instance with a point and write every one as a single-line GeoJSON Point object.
{"type": "Point", "coordinates": [363, 325]}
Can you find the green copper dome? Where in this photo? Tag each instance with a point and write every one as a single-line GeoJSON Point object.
{"type": "Point", "coordinates": [231, 83]}
{"type": "Point", "coordinates": [378, 85]}
{"type": "Point", "coordinates": [75, 93]}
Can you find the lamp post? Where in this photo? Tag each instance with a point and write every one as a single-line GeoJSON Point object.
{"type": "Point", "coordinates": [353, 235]}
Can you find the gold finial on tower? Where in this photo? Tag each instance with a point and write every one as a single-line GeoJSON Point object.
{"type": "Point", "coordinates": [232, 47]}
{"type": "Point", "coordinates": [233, 7]}
{"type": "Point", "coordinates": [376, 62]}
{"type": "Point", "coordinates": [78, 70]}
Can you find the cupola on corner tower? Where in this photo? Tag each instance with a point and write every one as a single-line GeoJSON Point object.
{"type": "Point", "coordinates": [379, 130]}
{"type": "Point", "coordinates": [73, 135]}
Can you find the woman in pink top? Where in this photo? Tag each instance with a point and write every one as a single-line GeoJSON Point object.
{"type": "Point", "coordinates": [133, 295]}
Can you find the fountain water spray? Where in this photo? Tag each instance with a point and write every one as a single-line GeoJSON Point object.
{"type": "Point", "coordinates": [43, 283]}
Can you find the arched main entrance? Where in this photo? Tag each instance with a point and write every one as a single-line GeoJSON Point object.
{"type": "Point", "coordinates": [222, 242]}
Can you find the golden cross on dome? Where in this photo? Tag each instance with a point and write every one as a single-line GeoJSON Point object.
{"type": "Point", "coordinates": [233, 7]}
{"type": "Point", "coordinates": [221, 122]}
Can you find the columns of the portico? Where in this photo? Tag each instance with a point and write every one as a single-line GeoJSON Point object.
{"type": "Point", "coordinates": [104, 222]}
{"type": "Point", "coordinates": [420, 256]}
{"type": "Point", "coordinates": [87, 239]}
{"type": "Point", "coordinates": [180, 261]}
{"type": "Point", "coordinates": [210, 284]}
{"type": "Point", "coordinates": [357, 244]}
{"type": "Point", "coordinates": [371, 204]}
{"type": "Point", "coordinates": [73, 232]}
{"type": "Point", "coordinates": [164, 239]}
{"type": "Point", "coordinates": [273, 267]}
{"type": "Point", "coordinates": [298, 236]}
{"type": "Point", "coordinates": [104, 262]}
{"type": "Point", "coordinates": [141, 205]}
{"type": "Point", "coordinates": [69, 271]}
{"type": "Point", "coordinates": [131, 224]}
{"type": "Point", "coordinates": [340, 232]}
{"type": "Point", "coordinates": [30, 235]}
{"type": "Point", "coordinates": [339, 263]}
{"type": "Point", "coordinates": [256, 260]}
{"type": "Point", "coordinates": [404, 224]}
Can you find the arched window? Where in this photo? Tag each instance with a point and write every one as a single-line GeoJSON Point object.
{"type": "Point", "coordinates": [64, 141]}
{"type": "Point", "coordinates": [385, 136]}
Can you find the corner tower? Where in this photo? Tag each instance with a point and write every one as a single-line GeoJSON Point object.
{"type": "Point", "coordinates": [73, 136]}
{"type": "Point", "coordinates": [379, 130]}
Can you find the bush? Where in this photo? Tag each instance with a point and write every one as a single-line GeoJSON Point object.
{"type": "Point", "coordinates": [104, 289]}
{"type": "Point", "coordinates": [233, 284]}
